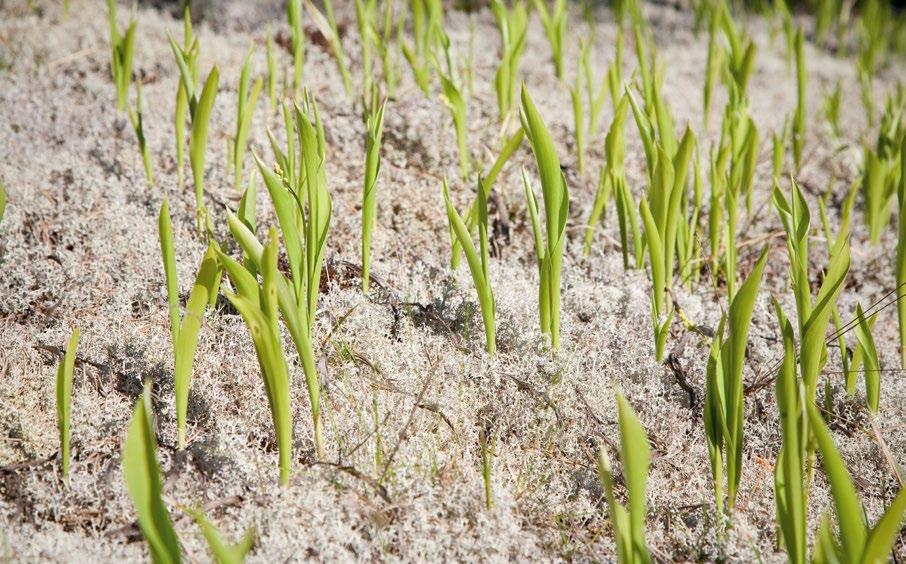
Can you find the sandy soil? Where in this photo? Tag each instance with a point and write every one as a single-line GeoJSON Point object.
{"type": "Point", "coordinates": [78, 247]}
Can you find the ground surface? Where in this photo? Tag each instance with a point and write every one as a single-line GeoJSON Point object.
{"type": "Point", "coordinates": [78, 247]}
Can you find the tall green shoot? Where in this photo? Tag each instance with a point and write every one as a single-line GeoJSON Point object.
{"type": "Point", "coordinates": [138, 125]}
{"type": "Point", "coordinates": [64, 399]}
{"type": "Point", "coordinates": [271, 70]}
{"type": "Point", "coordinates": [901, 252]}
{"type": "Point", "coordinates": [556, 212]}
{"type": "Point", "coordinates": [200, 108]}
{"type": "Point", "coordinates": [478, 259]}
{"type": "Point", "coordinates": [296, 40]}
{"type": "Point", "coordinates": [327, 24]}
{"type": "Point", "coordinates": [304, 237]}
{"type": "Point", "coordinates": [512, 25]}
{"type": "Point", "coordinates": [143, 482]}
{"type": "Point", "coordinates": [870, 360]}
{"type": "Point", "coordinates": [184, 334]}
{"type": "Point", "coordinates": [244, 111]}
{"type": "Point", "coordinates": [813, 314]}
{"type": "Point", "coordinates": [575, 94]}
{"type": "Point", "coordinates": [258, 307]}
{"type": "Point", "coordinates": [799, 117]}
{"type": "Point", "coordinates": [452, 97]}
{"type": "Point", "coordinates": [858, 542]}
{"type": "Point", "coordinates": [628, 521]}
{"type": "Point", "coordinates": [724, 389]}
{"type": "Point", "coordinates": [122, 47]}
{"type": "Point", "coordinates": [553, 19]}
{"type": "Point", "coordinates": [375, 128]}
{"type": "Point", "coordinates": [611, 175]}
{"type": "Point", "coordinates": [366, 15]}
{"type": "Point", "coordinates": [189, 54]}
{"type": "Point", "coordinates": [790, 494]}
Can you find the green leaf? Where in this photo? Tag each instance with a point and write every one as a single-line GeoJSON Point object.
{"type": "Point", "coordinates": [556, 211]}
{"type": "Point", "coordinates": [200, 117]}
{"type": "Point", "coordinates": [477, 259]}
{"type": "Point", "coordinates": [165, 229]}
{"type": "Point", "coordinates": [64, 398]}
{"type": "Point", "coordinates": [886, 530]}
{"type": "Point", "coordinates": [203, 293]}
{"type": "Point", "coordinates": [375, 123]}
{"type": "Point", "coordinates": [142, 476]}
{"type": "Point", "coordinates": [788, 474]}
{"type": "Point", "coordinates": [261, 319]}
{"type": "Point", "coordinates": [656, 250]}
{"type": "Point", "coordinates": [846, 503]}
{"type": "Point", "coordinates": [870, 360]}
{"type": "Point", "coordinates": [634, 453]}
{"type": "Point", "coordinates": [223, 552]}
{"type": "Point", "coordinates": [733, 357]}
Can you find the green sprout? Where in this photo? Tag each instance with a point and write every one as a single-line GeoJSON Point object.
{"type": "Point", "coordinates": [513, 26]}
{"type": "Point", "coordinates": [223, 552]}
{"type": "Point", "coordinates": [813, 315]}
{"type": "Point", "coordinates": [733, 171]}
{"type": "Point", "coordinates": [790, 493]}
{"type": "Point", "coordinates": [849, 365]}
{"type": "Point", "coordinates": [271, 70]}
{"type": "Point", "coordinates": [724, 389]}
{"type": "Point", "coordinates": [869, 359]}
{"type": "Point", "coordinates": [712, 69]}
{"type": "Point", "coordinates": [427, 26]}
{"type": "Point", "coordinates": [556, 211]}
{"type": "Point", "coordinates": [327, 24]}
{"type": "Point", "coordinates": [858, 542]}
{"type": "Point", "coordinates": [122, 47]}
{"type": "Point", "coordinates": [143, 482]}
{"type": "Point", "coordinates": [661, 212]}
{"type": "Point", "coordinates": [64, 399]}
{"type": "Point", "coordinates": [800, 116]}
{"type": "Point", "coordinates": [689, 250]}
{"type": "Point", "coordinates": [741, 52]}
{"type": "Point", "coordinates": [385, 48]}
{"type": "Point", "coordinates": [596, 99]}
{"type": "Point", "coordinates": [189, 53]}
{"type": "Point", "coordinates": [366, 15]}
{"type": "Point", "coordinates": [881, 170]}
{"type": "Point", "coordinates": [490, 177]}
{"type": "Point", "coordinates": [628, 521]}
{"type": "Point", "coordinates": [553, 19]}
{"type": "Point", "coordinates": [778, 152]}
{"type": "Point", "coordinates": [611, 174]}
{"type": "Point", "coordinates": [184, 334]}
{"type": "Point", "coordinates": [135, 117]}
{"type": "Point", "coordinates": [901, 250]}
{"type": "Point", "coordinates": [244, 111]}
{"type": "Point", "coordinates": [615, 73]}
{"type": "Point", "coordinates": [831, 105]}
{"type": "Point", "coordinates": [258, 307]}
{"type": "Point", "coordinates": [453, 99]}
{"type": "Point", "coordinates": [487, 443]}
{"type": "Point", "coordinates": [304, 237]}
{"type": "Point", "coordinates": [297, 42]}
{"type": "Point", "coordinates": [375, 127]}
{"type": "Point", "coordinates": [575, 94]}
{"type": "Point", "coordinates": [199, 115]}
{"type": "Point", "coordinates": [478, 259]}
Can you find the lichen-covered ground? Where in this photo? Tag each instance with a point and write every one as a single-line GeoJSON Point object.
{"type": "Point", "coordinates": [78, 247]}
